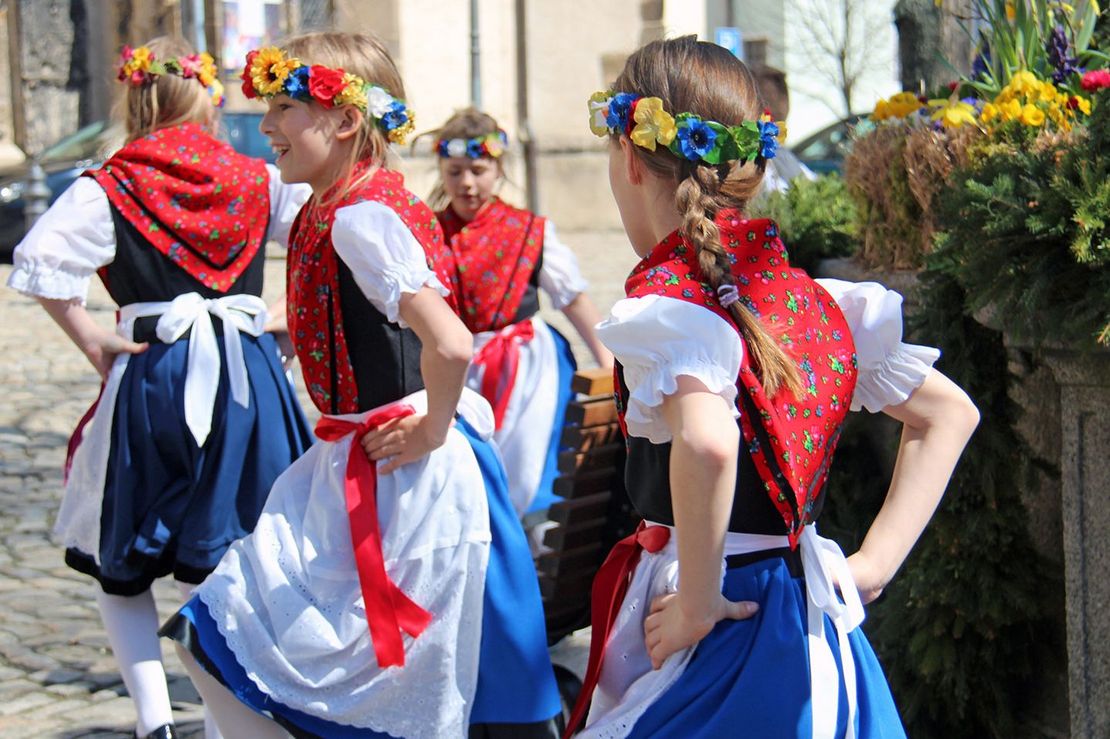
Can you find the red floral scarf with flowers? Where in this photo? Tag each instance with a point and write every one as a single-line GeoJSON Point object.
{"type": "Point", "coordinates": [194, 198]}
{"type": "Point", "coordinates": [495, 256]}
{"type": "Point", "coordinates": [315, 317]}
{"type": "Point", "coordinates": [801, 432]}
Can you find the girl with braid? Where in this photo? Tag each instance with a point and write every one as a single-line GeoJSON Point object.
{"type": "Point", "coordinates": [735, 373]}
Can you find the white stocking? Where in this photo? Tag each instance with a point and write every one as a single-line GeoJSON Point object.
{"type": "Point", "coordinates": [211, 731]}
{"type": "Point", "coordinates": [233, 717]}
{"type": "Point", "coordinates": [132, 626]}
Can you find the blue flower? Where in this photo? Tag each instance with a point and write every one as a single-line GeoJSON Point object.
{"type": "Point", "coordinates": [620, 107]}
{"type": "Point", "coordinates": [768, 139]}
{"type": "Point", "coordinates": [296, 84]}
{"type": "Point", "coordinates": [441, 148]}
{"type": "Point", "coordinates": [474, 148]}
{"type": "Point", "coordinates": [395, 117]}
{"type": "Point", "coordinates": [695, 138]}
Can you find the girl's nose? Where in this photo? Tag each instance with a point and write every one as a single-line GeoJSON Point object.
{"type": "Point", "coordinates": [266, 125]}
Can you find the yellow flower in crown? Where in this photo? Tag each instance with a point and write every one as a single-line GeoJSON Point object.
{"type": "Point", "coordinates": [653, 124]}
{"type": "Point", "coordinates": [354, 93]}
{"type": "Point", "coordinates": [207, 72]}
{"type": "Point", "coordinates": [139, 61]}
{"type": "Point", "coordinates": [599, 110]}
{"type": "Point", "coordinates": [400, 134]}
{"type": "Point", "coordinates": [269, 70]}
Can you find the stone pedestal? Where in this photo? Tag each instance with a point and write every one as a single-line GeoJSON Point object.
{"type": "Point", "coordinates": [1084, 381]}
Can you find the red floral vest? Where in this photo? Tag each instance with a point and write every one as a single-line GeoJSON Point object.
{"type": "Point", "coordinates": [193, 198]}
{"type": "Point", "coordinates": [793, 442]}
{"type": "Point", "coordinates": [495, 256]}
{"type": "Point", "coordinates": [315, 317]}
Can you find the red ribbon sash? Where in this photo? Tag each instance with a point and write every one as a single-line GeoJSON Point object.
{"type": "Point", "coordinates": [388, 610]}
{"type": "Point", "coordinates": [501, 357]}
{"type": "Point", "coordinates": [609, 588]}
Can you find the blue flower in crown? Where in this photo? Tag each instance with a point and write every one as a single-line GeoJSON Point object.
{"type": "Point", "coordinates": [620, 107]}
{"type": "Point", "coordinates": [296, 84]}
{"type": "Point", "coordinates": [441, 149]}
{"type": "Point", "coordinates": [474, 148]}
{"type": "Point", "coordinates": [768, 139]}
{"type": "Point", "coordinates": [695, 138]}
{"type": "Point", "coordinates": [395, 117]}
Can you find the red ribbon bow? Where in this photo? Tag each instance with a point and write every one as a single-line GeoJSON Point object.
{"type": "Point", "coordinates": [500, 357]}
{"type": "Point", "coordinates": [388, 610]}
{"type": "Point", "coordinates": [609, 588]}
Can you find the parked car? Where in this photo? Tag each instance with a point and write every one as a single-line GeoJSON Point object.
{"type": "Point", "coordinates": [825, 150]}
{"type": "Point", "coordinates": [64, 161]}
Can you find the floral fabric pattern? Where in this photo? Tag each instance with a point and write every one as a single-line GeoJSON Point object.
{"type": "Point", "coordinates": [194, 198]}
{"type": "Point", "coordinates": [801, 431]}
{"type": "Point", "coordinates": [316, 324]}
{"type": "Point", "coordinates": [495, 255]}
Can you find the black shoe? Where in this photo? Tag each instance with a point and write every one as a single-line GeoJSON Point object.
{"type": "Point", "coordinates": [165, 731]}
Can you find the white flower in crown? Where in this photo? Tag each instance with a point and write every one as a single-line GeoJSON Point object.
{"type": "Point", "coordinates": [379, 101]}
{"type": "Point", "coordinates": [456, 148]}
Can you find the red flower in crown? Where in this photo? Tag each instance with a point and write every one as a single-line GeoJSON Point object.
{"type": "Point", "coordinates": [324, 84]}
{"type": "Point", "coordinates": [248, 84]}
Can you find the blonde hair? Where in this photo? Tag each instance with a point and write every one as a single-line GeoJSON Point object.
{"type": "Point", "coordinates": [468, 123]}
{"type": "Point", "coordinates": [168, 100]}
{"type": "Point", "coordinates": [361, 54]}
{"type": "Point", "coordinates": [703, 78]}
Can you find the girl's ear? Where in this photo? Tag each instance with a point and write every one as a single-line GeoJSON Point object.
{"type": "Point", "coordinates": [633, 167]}
{"type": "Point", "coordinates": [349, 123]}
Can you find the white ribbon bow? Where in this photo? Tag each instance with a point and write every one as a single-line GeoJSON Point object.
{"type": "Point", "coordinates": [238, 313]}
{"type": "Point", "coordinates": [821, 560]}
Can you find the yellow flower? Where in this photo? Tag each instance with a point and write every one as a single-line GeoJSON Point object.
{"type": "Point", "coordinates": [400, 134]}
{"type": "Point", "coordinates": [1084, 106]}
{"type": "Point", "coordinates": [139, 62]}
{"type": "Point", "coordinates": [882, 110]}
{"type": "Point", "coordinates": [599, 109]}
{"type": "Point", "coordinates": [207, 74]}
{"type": "Point", "coordinates": [989, 113]}
{"type": "Point", "coordinates": [1011, 110]}
{"type": "Point", "coordinates": [653, 124]}
{"type": "Point", "coordinates": [1011, 12]}
{"type": "Point", "coordinates": [269, 70]}
{"type": "Point", "coordinates": [354, 93]}
{"type": "Point", "coordinates": [782, 131]}
{"type": "Point", "coordinates": [953, 114]}
{"type": "Point", "coordinates": [1031, 115]}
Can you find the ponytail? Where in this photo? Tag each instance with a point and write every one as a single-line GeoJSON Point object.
{"type": "Point", "coordinates": [697, 199]}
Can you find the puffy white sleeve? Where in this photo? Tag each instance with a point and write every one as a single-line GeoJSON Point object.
{"type": "Point", "coordinates": [383, 255]}
{"type": "Point", "coordinates": [67, 244]}
{"type": "Point", "coordinates": [285, 204]}
{"type": "Point", "coordinates": [560, 277]}
{"type": "Point", "coordinates": [656, 339]}
{"type": "Point", "coordinates": [889, 369]}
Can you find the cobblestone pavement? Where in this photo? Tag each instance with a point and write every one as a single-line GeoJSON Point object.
{"type": "Point", "coordinates": [57, 674]}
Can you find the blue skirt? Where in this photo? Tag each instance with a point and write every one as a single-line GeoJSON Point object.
{"type": "Point", "coordinates": [169, 505]}
{"type": "Point", "coordinates": [516, 683]}
{"type": "Point", "coordinates": [755, 673]}
{"type": "Point", "coordinates": [545, 495]}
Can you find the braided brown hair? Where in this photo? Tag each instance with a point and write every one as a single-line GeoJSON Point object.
{"type": "Point", "coordinates": [702, 78]}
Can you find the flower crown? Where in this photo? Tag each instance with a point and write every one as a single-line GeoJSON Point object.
{"type": "Point", "coordinates": [689, 136]}
{"type": "Point", "coordinates": [270, 72]}
{"type": "Point", "coordinates": [139, 66]}
{"type": "Point", "coordinates": [490, 145]}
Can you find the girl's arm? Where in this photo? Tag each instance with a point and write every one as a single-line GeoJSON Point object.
{"type": "Point", "coordinates": [99, 345]}
{"type": "Point", "coordinates": [583, 315]}
{"type": "Point", "coordinates": [938, 420]}
{"type": "Point", "coordinates": [447, 348]}
{"type": "Point", "coordinates": [704, 449]}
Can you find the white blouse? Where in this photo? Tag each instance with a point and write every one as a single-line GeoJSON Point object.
{"type": "Point", "coordinates": [560, 277]}
{"type": "Point", "coordinates": [384, 257]}
{"type": "Point", "coordinates": [657, 338]}
{"type": "Point", "coordinates": [75, 237]}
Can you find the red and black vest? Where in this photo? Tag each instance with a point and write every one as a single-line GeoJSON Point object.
{"type": "Point", "coordinates": [190, 214]}
{"type": "Point", "coordinates": [498, 256]}
{"type": "Point", "coordinates": [788, 441]}
{"type": "Point", "coordinates": [352, 357]}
